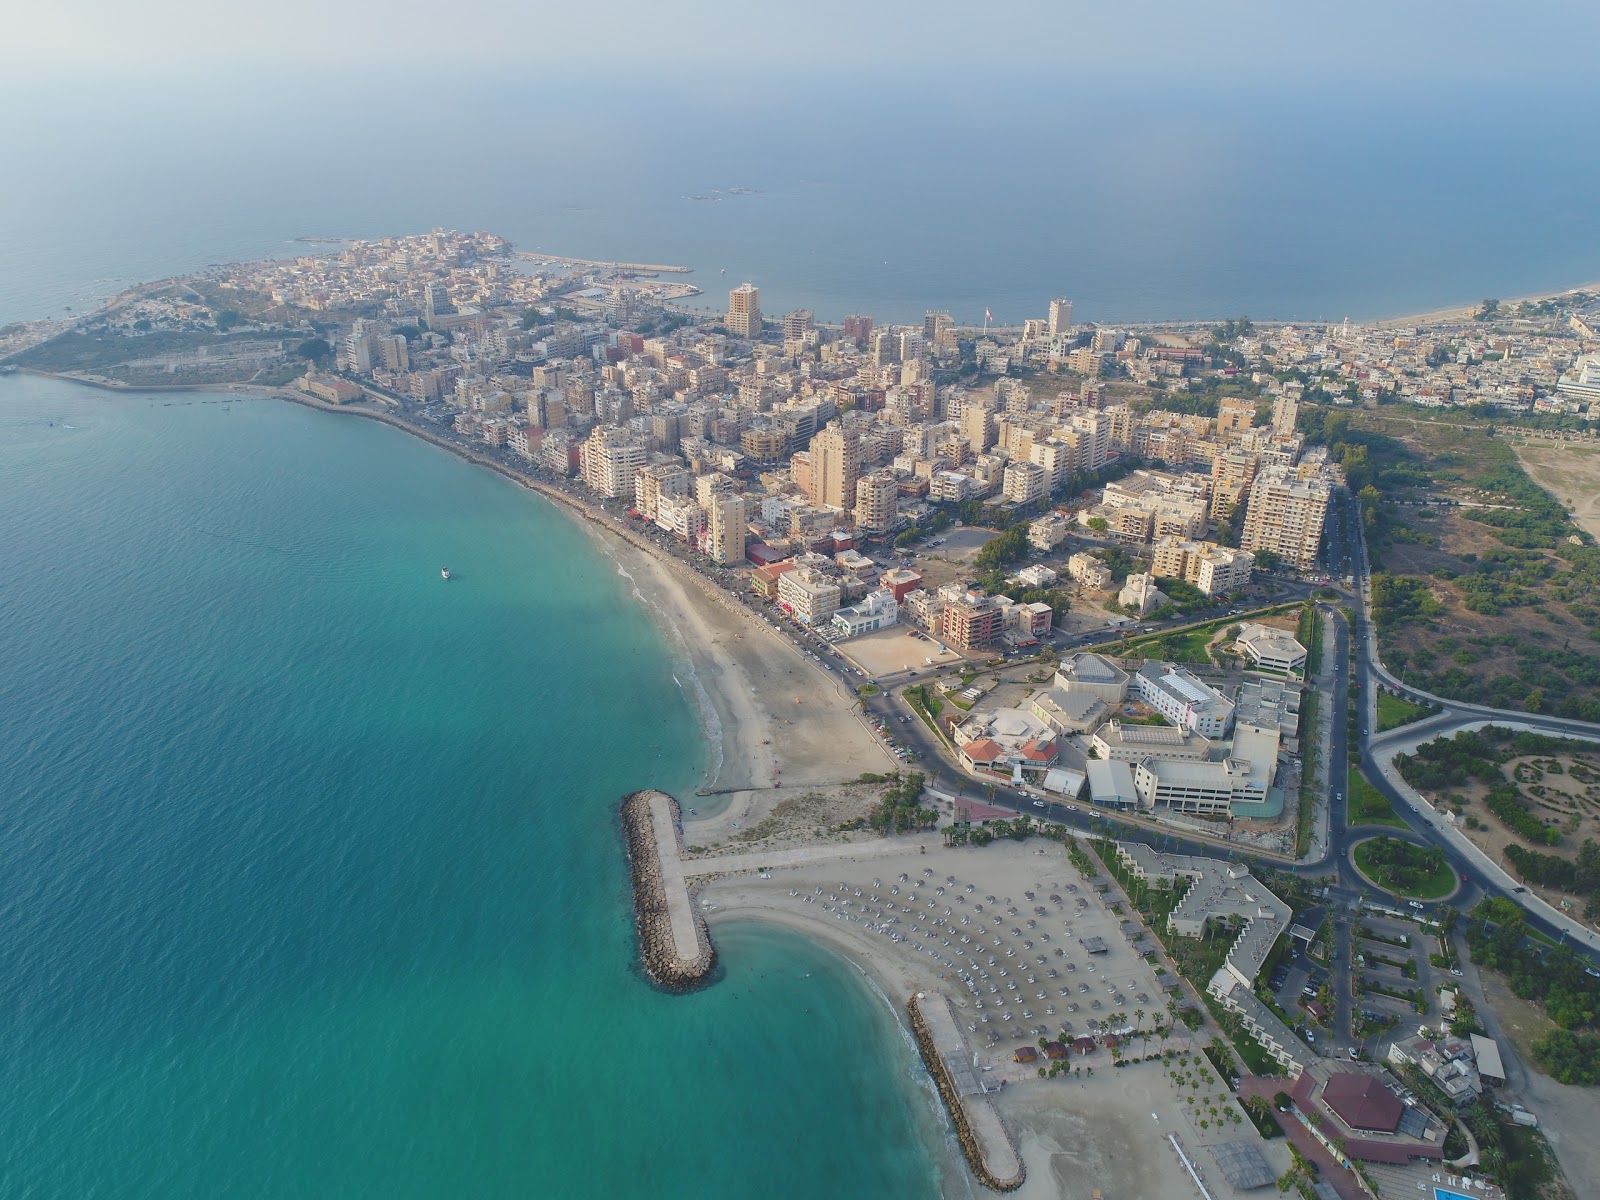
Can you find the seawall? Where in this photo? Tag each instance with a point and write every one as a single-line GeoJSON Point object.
{"type": "Point", "coordinates": [988, 1149]}
{"type": "Point", "coordinates": [675, 947]}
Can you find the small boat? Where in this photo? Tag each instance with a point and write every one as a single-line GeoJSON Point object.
{"type": "Point", "coordinates": [444, 572]}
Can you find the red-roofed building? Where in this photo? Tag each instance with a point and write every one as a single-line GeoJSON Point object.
{"type": "Point", "coordinates": [1038, 752]}
{"type": "Point", "coordinates": [982, 753]}
{"type": "Point", "coordinates": [765, 579]}
{"type": "Point", "coordinates": [1354, 1112]}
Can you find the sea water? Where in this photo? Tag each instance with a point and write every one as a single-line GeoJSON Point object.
{"type": "Point", "coordinates": [882, 193]}
{"type": "Point", "coordinates": [310, 880]}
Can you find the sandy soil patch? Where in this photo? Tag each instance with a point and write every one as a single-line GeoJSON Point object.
{"type": "Point", "coordinates": [890, 651]}
{"type": "Point", "coordinates": [1569, 472]}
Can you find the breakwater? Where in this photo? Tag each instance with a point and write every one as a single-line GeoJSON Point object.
{"type": "Point", "coordinates": [674, 944]}
{"type": "Point", "coordinates": [994, 1160]}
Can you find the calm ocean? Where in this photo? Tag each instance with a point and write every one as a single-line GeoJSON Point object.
{"type": "Point", "coordinates": [309, 879]}
{"type": "Point", "coordinates": [878, 194]}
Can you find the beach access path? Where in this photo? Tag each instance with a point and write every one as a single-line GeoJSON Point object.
{"type": "Point", "coordinates": [801, 856]}
{"type": "Point", "coordinates": [685, 939]}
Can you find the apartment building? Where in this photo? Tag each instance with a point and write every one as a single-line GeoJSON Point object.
{"type": "Point", "coordinates": [810, 595]}
{"type": "Point", "coordinates": [970, 619]}
{"type": "Point", "coordinates": [609, 460]}
{"type": "Point", "coordinates": [1025, 482]}
{"type": "Point", "coordinates": [835, 466]}
{"type": "Point", "coordinates": [1213, 569]}
{"type": "Point", "coordinates": [727, 529]}
{"type": "Point", "coordinates": [1089, 571]}
{"type": "Point", "coordinates": [1285, 515]}
{"type": "Point", "coordinates": [877, 501]}
{"type": "Point", "coordinates": [744, 311]}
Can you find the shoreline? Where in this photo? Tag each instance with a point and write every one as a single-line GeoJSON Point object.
{"type": "Point", "coordinates": [746, 681]}
{"type": "Point", "coordinates": [742, 670]}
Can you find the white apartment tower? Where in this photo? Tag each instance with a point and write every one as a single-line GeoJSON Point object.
{"type": "Point", "coordinates": [744, 311]}
{"type": "Point", "coordinates": [609, 460]}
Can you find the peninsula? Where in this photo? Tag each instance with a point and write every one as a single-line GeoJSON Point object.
{"type": "Point", "coordinates": [1051, 674]}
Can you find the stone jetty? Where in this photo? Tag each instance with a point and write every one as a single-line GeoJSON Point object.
{"type": "Point", "coordinates": [988, 1147]}
{"type": "Point", "coordinates": [674, 945]}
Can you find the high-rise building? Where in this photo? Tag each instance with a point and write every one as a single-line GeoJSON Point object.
{"type": "Point", "coordinates": [835, 466]}
{"type": "Point", "coordinates": [657, 482]}
{"type": "Point", "coordinates": [436, 301]}
{"type": "Point", "coordinates": [1285, 515]}
{"type": "Point", "coordinates": [726, 527]}
{"type": "Point", "coordinates": [1025, 482]}
{"type": "Point", "coordinates": [1231, 477]}
{"type": "Point", "coordinates": [877, 501]}
{"type": "Point", "coordinates": [978, 427]}
{"type": "Point", "coordinates": [744, 311]}
{"type": "Point", "coordinates": [1060, 317]}
{"type": "Point", "coordinates": [1285, 414]}
{"type": "Point", "coordinates": [609, 460]}
{"type": "Point", "coordinates": [1095, 447]}
{"type": "Point", "coordinates": [858, 329]}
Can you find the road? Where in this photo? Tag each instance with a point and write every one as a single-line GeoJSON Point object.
{"type": "Point", "coordinates": [1345, 555]}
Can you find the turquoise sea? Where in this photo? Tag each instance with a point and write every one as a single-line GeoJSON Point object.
{"type": "Point", "coordinates": [309, 877]}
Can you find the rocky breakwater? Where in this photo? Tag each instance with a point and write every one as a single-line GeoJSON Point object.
{"type": "Point", "coordinates": [984, 1141]}
{"type": "Point", "coordinates": [674, 945]}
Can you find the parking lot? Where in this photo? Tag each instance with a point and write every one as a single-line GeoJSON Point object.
{"type": "Point", "coordinates": [1383, 966]}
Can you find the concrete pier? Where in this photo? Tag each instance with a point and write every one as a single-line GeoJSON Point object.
{"type": "Point", "coordinates": [987, 1146]}
{"type": "Point", "coordinates": [674, 945]}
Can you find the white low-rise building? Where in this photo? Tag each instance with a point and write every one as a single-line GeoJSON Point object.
{"type": "Point", "coordinates": [876, 610]}
{"type": "Point", "coordinates": [1183, 699]}
{"type": "Point", "coordinates": [1272, 649]}
{"type": "Point", "coordinates": [1036, 576]}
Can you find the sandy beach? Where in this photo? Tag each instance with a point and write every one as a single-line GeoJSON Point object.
{"type": "Point", "coordinates": [1103, 1126]}
{"type": "Point", "coordinates": [1465, 312]}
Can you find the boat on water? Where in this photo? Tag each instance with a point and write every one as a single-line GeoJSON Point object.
{"type": "Point", "coordinates": [444, 572]}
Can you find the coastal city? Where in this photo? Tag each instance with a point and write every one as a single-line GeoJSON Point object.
{"type": "Point", "coordinates": [1106, 590]}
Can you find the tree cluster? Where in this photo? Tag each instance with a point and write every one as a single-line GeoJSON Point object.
{"type": "Point", "coordinates": [900, 810]}
{"type": "Point", "coordinates": [1580, 877]}
{"type": "Point", "coordinates": [1553, 976]}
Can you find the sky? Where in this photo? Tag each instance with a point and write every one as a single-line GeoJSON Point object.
{"type": "Point", "coordinates": [1430, 42]}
